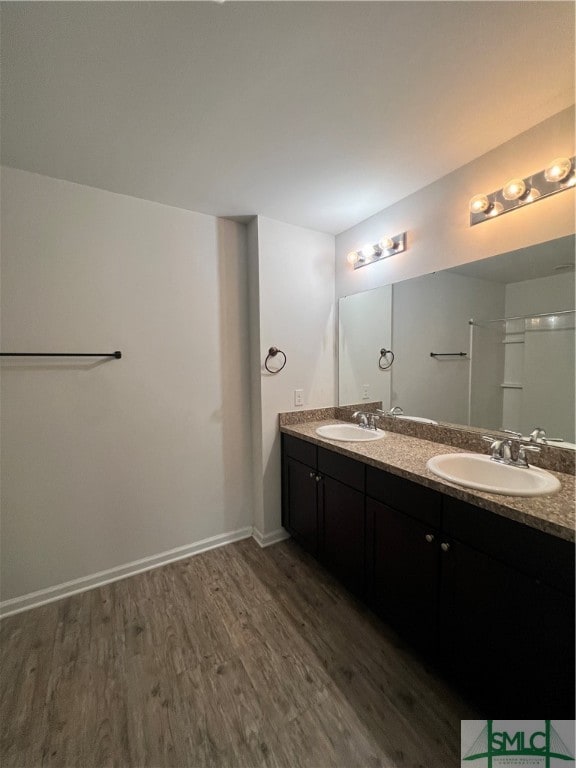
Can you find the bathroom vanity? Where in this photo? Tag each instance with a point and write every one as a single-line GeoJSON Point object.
{"type": "Point", "coordinates": [482, 585]}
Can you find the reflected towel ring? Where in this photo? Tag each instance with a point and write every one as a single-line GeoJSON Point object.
{"type": "Point", "coordinates": [389, 360]}
{"type": "Point", "coordinates": [272, 352]}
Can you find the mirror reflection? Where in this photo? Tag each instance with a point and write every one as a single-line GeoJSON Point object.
{"type": "Point", "coordinates": [488, 344]}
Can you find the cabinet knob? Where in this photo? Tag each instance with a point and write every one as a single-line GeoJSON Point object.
{"type": "Point", "coordinates": [445, 546]}
{"type": "Point", "coordinates": [312, 474]}
{"type": "Point", "coordinates": [318, 478]}
{"type": "Point", "coordinates": [429, 538]}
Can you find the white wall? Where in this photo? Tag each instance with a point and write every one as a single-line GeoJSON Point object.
{"type": "Point", "coordinates": [295, 269]}
{"type": "Point", "coordinates": [437, 220]}
{"type": "Point", "coordinates": [364, 328]}
{"type": "Point", "coordinates": [255, 378]}
{"type": "Point", "coordinates": [541, 359]}
{"type": "Point", "coordinates": [108, 462]}
{"type": "Point", "coordinates": [430, 314]}
{"type": "Point", "coordinates": [487, 373]}
{"type": "Point", "coordinates": [545, 294]}
{"type": "Point", "coordinates": [105, 464]}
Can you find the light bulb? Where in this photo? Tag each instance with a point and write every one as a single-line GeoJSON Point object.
{"type": "Point", "coordinates": [495, 209]}
{"type": "Point", "coordinates": [558, 169]}
{"type": "Point", "coordinates": [479, 204]}
{"type": "Point", "coordinates": [513, 189]}
{"type": "Point", "coordinates": [387, 243]}
{"type": "Point", "coordinates": [367, 251]}
{"type": "Point", "coordinates": [352, 257]}
{"type": "Point", "coordinates": [532, 195]}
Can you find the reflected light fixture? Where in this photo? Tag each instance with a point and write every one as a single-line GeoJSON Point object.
{"type": "Point", "coordinates": [495, 209]}
{"type": "Point", "coordinates": [516, 193]}
{"type": "Point", "coordinates": [383, 249]}
{"type": "Point", "coordinates": [531, 195]}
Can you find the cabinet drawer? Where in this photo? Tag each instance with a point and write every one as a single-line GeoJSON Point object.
{"type": "Point", "coordinates": [300, 450]}
{"type": "Point", "coordinates": [347, 471]}
{"type": "Point", "coordinates": [533, 552]}
{"type": "Point", "coordinates": [404, 495]}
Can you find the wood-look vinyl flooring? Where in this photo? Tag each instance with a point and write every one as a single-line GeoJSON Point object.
{"type": "Point", "coordinates": [234, 658]}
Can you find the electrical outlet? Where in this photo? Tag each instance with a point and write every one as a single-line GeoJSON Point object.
{"type": "Point", "coordinates": [365, 391]}
{"type": "Point", "coordinates": [298, 397]}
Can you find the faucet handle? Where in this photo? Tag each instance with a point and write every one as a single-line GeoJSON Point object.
{"type": "Point", "coordinates": [538, 435]}
{"type": "Point", "coordinates": [522, 458]}
{"type": "Point", "coordinates": [362, 418]}
{"type": "Point", "coordinates": [396, 411]}
{"type": "Point", "coordinates": [496, 446]}
{"type": "Point", "coordinates": [531, 448]}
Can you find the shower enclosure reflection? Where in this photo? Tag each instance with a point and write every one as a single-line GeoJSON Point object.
{"type": "Point", "coordinates": [511, 315]}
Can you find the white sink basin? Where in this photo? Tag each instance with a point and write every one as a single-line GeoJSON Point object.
{"type": "Point", "coordinates": [349, 433]}
{"type": "Point", "coordinates": [484, 474]}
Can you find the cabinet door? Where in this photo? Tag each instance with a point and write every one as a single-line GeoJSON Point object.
{"type": "Point", "coordinates": [404, 571]}
{"type": "Point", "coordinates": [342, 531]}
{"type": "Point", "coordinates": [506, 636]}
{"type": "Point", "coordinates": [301, 516]}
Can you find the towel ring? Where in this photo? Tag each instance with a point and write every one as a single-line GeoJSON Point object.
{"type": "Point", "coordinates": [272, 352]}
{"type": "Point", "coordinates": [384, 354]}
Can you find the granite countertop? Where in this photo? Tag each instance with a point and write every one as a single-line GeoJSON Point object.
{"type": "Point", "coordinates": [406, 456]}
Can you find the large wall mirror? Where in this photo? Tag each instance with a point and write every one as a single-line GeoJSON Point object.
{"type": "Point", "coordinates": [488, 344]}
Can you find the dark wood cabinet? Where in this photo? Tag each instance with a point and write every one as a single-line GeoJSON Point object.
{"type": "Point", "coordinates": [342, 518]}
{"type": "Point", "coordinates": [505, 636]}
{"type": "Point", "coordinates": [415, 500]}
{"type": "Point", "coordinates": [488, 599]}
{"type": "Point", "coordinates": [342, 525]}
{"type": "Point", "coordinates": [507, 612]}
{"type": "Point", "coordinates": [301, 513]}
{"type": "Point", "coordinates": [403, 584]}
{"type": "Point", "coordinates": [323, 508]}
{"type": "Point", "coordinates": [403, 522]}
{"type": "Point", "coordinates": [299, 491]}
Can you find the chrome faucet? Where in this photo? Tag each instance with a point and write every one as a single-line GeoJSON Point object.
{"type": "Point", "coordinates": [366, 420]}
{"type": "Point", "coordinates": [537, 436]}
{"type": "Point", "coordinates": [511, 451]}
{"type": "Point", "coordinates": [396, 411]}
{"type": "Point", "coordinates": [361, 417]}
{"type": "Point", "coordinates": [372, 419]}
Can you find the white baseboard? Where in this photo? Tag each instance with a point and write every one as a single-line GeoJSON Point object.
{"type": "Point", "coordinates": [266, 539]}
{"type": "Point", "coordinates": [44, 596]}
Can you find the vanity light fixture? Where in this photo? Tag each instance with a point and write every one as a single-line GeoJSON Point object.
{"type": "Point", "coordinates": [385, 247]}
{"type": "Point", "coordinates": [516, 193]}
{"type": "Point", "coordinates": [558, 169]}
{"type": "Point", "coordinates": [515, 189]}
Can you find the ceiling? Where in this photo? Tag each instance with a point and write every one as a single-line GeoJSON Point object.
{"type": "Point", "coordinates": [318, 114]}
